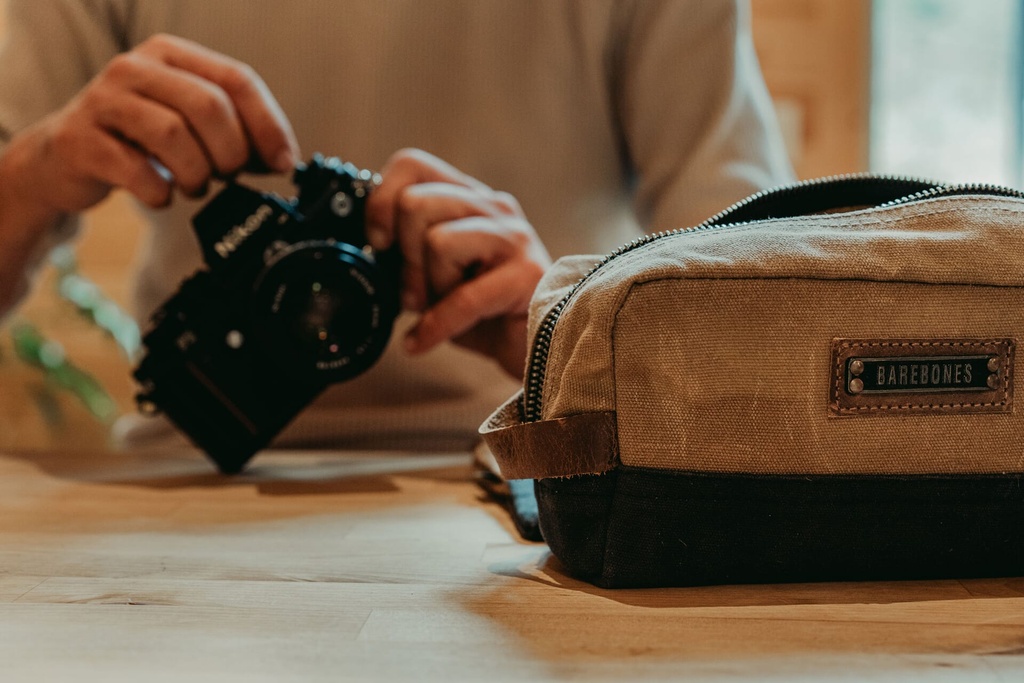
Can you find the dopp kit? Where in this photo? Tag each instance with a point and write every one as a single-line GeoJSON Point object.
{"type": "Point", "coordinates": [816, 384]}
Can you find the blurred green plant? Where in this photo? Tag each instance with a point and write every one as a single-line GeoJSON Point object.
{"type": "Point", "coordinates": [35, 349]}
{"type": "Point", "coordinates": [92, 303]}
{"type": "Point", "coordinates": [48, 356]}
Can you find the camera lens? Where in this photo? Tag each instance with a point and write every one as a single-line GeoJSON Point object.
{"type": "Point", "coordinates": [327, 316]}
{"type": "Point", "coordinates": [322, 310]}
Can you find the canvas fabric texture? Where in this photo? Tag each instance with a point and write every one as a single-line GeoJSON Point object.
{"type": "Point", "coordinates": [723, 337]}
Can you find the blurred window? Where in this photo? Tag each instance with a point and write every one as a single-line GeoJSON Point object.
{"type": "Point", "coordinates": [947, 89]}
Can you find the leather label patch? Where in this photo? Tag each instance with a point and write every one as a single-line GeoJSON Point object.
{"type": "Point", "coordinates": [900, 376]}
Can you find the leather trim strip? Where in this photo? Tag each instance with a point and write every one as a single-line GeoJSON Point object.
{"type": "Point", "coordinates": [578, 444]}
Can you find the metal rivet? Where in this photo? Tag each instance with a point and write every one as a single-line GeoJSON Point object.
{"type": "Point", "coordinates": [856, 367]}
{"type": "Point", "coordinates": [235, 339]}
{"type": "Point", "coordinates": [993, 364]}
{"type": "Point", "coordinates": [856, 386]}
{"type": "Point", "coordinates": [993, 381]}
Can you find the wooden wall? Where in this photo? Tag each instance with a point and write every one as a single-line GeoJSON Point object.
{"type": "Point", "coordinates": [815, 57]}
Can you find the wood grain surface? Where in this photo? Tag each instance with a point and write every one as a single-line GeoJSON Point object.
{"type": "Point", "coordinates": [319, 566]}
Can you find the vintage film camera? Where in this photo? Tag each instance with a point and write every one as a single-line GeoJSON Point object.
{"type": "Point", "coordinates": [293, 299]}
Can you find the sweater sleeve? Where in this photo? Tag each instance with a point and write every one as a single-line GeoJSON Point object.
{"type": "Point", "coordinates": [698, 125]}
{"type": "Point", "coordinates": [50, 51]}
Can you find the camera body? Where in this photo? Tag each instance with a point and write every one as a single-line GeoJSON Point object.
{"type": "Point", "coordinates": [293, 299]}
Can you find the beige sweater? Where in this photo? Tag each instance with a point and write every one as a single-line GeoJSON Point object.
{"type": "Point", "coordinates": [606, 118]}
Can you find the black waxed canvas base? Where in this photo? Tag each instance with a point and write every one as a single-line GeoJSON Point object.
{"type": "Point", "coordinates": [638, 528]}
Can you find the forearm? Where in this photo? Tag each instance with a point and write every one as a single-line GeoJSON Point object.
{"type": "Point", "coordinates": [26, 225]}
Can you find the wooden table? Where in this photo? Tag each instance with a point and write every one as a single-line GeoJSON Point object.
{"type": "Point", "coordinates": [321, 566]}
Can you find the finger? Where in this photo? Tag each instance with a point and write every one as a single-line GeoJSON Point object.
{"type": "Point", "coordinates": [162, 132]}
{"type": "Point", "coordinates": [458, 250]}
{"type": "Point", "coordinates": [206, 108]}
{"type": "Point", "coordinates": [507, 203]}
{"type": "Point", "coordinates": [405, 168]}
{"type": "Point", "coordinates": [118, 164]}
{"type": "Point", "coordinates": [496, 293]}
{"type": "Point", "coordinates": [265, 122]}
{"type": "Point", "coordinates": [503, 339]}
{"type": "Point", "coordinates": [420, 207]}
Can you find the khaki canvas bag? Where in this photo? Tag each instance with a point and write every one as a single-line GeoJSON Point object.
{"type": "Point", "coordinates": [816, 384]}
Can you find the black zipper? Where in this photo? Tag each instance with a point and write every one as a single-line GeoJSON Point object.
{"type": "Point", "coordinates": [805, 198]}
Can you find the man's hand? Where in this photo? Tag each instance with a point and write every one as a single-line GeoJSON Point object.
{"type": "Point", "coordinates": [169, 114]}
{"type": "Point", "coordinates": [471, 260]}
{"type": "Point", "coordinates": [195, 113]}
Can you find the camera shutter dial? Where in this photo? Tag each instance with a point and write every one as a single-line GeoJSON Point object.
{"type": "Point", "coordinates": [341, 204]}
